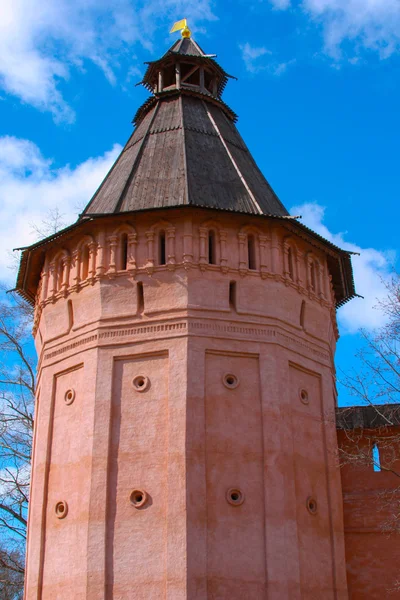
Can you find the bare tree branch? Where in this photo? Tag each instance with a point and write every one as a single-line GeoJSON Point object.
{"type": "Point", "coordinates": [17, 385]}
{"type": "Point", "coordinates": [377, 385]}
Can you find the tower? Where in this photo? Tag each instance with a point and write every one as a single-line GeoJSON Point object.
{"type": "Point", "coordinates": [185, 432]}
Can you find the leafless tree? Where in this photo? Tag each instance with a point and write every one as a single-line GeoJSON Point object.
{"type": "Point", "coordinates": [50, 224]}
{"type": "Point", "coordinates": [376, 385]}
{"type": "Point", "coordinates": [378, 380]}
{"type": "Point", "coordinates": [17, 386]}
{"type": "Point", "coordinates": [17, 382]}
{"type": "Point", "coordinates": [11, 579]}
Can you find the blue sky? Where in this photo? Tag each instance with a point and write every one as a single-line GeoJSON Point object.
{"type": "Point", "coordinates": [317, 97]}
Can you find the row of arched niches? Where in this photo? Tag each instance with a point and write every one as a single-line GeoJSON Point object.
{"type": "Point", "coordinates": [134, 249]}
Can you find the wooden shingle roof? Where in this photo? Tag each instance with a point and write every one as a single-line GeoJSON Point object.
{"type": "Point", "coordinates": [187, 47]}
{"type": "Point", "coordinates": [186, 150]}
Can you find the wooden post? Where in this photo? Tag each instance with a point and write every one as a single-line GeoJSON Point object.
{"type": "Point", "coordinates": [202, 86]}
{"type": "Point", "coordinates": [215, 87]}
{"type": "Point", "coordinates": [178, 75]}
{"type": "Point", "coordinates": [160, 81]}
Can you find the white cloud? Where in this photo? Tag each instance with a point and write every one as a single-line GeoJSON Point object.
{"type": "Point", "coordinates": [374, 24]}
{"type": "Point", "coordinates": [368, 24]}
{"type": "Point", "coordinates": [30, 187]}
{"type": "Point", "coordinates": [251, 54]}
{"type": "Point", "coordinates": [281, 68]}
{"type": "Point", "coordinates": [42, 41]}
{"type": "Point", "coordinates": [371, 269]}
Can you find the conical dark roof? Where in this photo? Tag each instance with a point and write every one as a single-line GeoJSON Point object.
{"type": "Point", "coordinates": [186, 149]}
{"type": "Point", "coordinates": [188, 47]}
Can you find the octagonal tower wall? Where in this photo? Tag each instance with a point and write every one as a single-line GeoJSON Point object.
{"type": "Point", "coordinates": [96, 254]}
{"type": "Point", "coordinates": [186, 360]}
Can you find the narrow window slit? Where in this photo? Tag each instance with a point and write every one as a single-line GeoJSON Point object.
{"type": "Point", "coordinates": [124, 251]}
{"type": "Point", "coordinates": [60, 275]}
{"type": "Point", "coordinates": [70, 314]}
{"type": "Point", "coordinates": [85, 262]}
{"type": "Point", "coordinates": [376, 459]}
{"type": "Point", "coordinates": [232, 295]}
{"type": "Point", "coordinates": [302, 313]}
{"type": "Point", "coordinates": [211, 248]}
{"type": "Point", "coordinates": [290, 264]}
{"type": "Point", "coordinates": [140, 298]}
{"type": "Point", "coordinates": [251, 252]}
{"type": "Point", "coordinates": [162, 257]}
{"type": "Point", "coordinates": [312, 277]}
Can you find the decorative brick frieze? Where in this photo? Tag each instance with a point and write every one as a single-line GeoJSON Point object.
{"type": "Point", "coordinates": [236, 249]}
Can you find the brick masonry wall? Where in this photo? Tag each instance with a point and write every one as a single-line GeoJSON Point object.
{"type": "Point", "coordinates": [371, 501]}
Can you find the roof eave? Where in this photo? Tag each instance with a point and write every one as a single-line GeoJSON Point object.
{"type": "Point", "coordinates": [152, 100]}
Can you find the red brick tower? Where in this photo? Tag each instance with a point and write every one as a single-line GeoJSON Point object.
{"type": "Point", "coordinates": [185, 435]}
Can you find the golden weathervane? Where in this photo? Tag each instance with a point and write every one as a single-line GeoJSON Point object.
{"type": "Point", "coordinates": [182, 27]}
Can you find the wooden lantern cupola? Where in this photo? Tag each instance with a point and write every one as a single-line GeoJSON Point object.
{"type": "Point", "coordinates": [186, 67]}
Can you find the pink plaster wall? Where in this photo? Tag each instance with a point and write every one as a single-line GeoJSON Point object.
{"type": "Point", "coordinates": [188, 438]}
{"type": "Point", "coordinates": [236, 565]}
{"type": "Point", "coordinates": [138, 451]}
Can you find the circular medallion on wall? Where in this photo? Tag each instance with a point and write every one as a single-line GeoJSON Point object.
{"type": "Point", "coordinates": [141, 383]}
{"type": "Point", "coordinates": [303, 394]}
{"type": "Point", "coordinates": [138, 498]}
{"type": "Point", "coordinates": [312, 505]}
{"type": "Point", "coordinates": [230, 381]}
{"type": "Point", "coordinates": [69, 397]}
{"type": "Point", "coordinates": [61, 509]}
{"type": "Point", "coordinates": [235, 496]}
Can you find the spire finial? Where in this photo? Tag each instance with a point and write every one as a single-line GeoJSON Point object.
{"type": "Point", "coordinates": [182, 27]}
